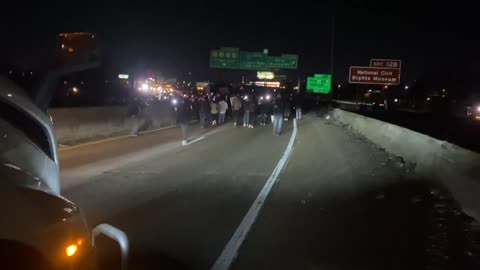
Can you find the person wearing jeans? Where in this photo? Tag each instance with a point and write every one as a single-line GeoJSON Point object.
{"type": "Point", "coordinates": [236, 106]}
{"type": "Point", "coordinates": [184, 118]}
{"type": "Point", "coordinates": [298, 112]}
{"type": "Point", "coordinates": [246, 117]}
{"type": "Point", "coordinates": [298, 107]}
{"type": "Point", "coordinates": [277, 123]}
{"type": "Point", "coordinates": [222, 107]}
{"type": "Point", "coordinates": [278, 112]}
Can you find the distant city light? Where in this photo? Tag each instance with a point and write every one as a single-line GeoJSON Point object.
{"type": "Point", "coordinates": [144, 86]}
{"type": "Point", "coordinates": [75, 90]}
{"type": "Point", "coordinates": [395, 100]}
{"type": "Point", "coordinates": [339, 86]}
{"type": "Point", "coordinates": [443, 90]}
{"type": "Point", "coordinates": [406, 87]}
{"type": "Point", "coordinates": [478, 109]}
{"type": "Point", "coordinates": [267, 97]}
{"type": "Point", "coordinates": [9, 95]}
{"type": "Point", "coordinates": [174, 101]}
{"type": "Point", "coordinates": [386, 87]}
{"type": "Point", "coordinates": [428, 99]}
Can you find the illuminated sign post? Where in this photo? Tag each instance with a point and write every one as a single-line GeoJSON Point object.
{"type": "Point", "coordinates": [265, 75]}
{"type": "Point", "coordinates": [319, 83]}
{"type": "Point", "coordinates": [374, 75]}
{"type": "Point", "coordinates": [123, 76]}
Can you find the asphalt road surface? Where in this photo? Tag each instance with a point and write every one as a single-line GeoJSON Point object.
{"type": "Point", "coordinates": [340, 203]}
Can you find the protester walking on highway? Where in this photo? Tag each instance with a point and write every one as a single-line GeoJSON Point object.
{"type": "Point", "coordinates": [278, 112]}
{"type": "Point", "coordinates": [236, 106]}
{"type": "Point", "coordinates": [214, 112]}
{"type": "Point", "coordinates": [252, 106]}
{"type": "Point", "coordinates": [298, 107]}
{"type": "Point", "coordinates": [203, 110]}
{"type": "Point", "coordinates": [183, 118]}
{"type": "Point", "coordinates": [262, 107]}
{"type": "Point", "coordinates": [135, 112]}
{"type": "Point", "coordinates": [288, 108]}
{"type": "Point", "coordinates": [246, 111]}
{"type": "Point", "coordinates": [222, 109]}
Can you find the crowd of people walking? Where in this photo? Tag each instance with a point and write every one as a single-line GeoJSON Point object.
{"type": "Point", "coordinates": [244, 110]}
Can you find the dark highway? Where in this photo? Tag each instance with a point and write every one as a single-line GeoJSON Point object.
{"type": "Point", "coordinates": [339, 203]}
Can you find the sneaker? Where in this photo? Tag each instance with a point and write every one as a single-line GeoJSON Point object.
{"type": "Point", "coordinates": [244, 125]}
{"type": "Point", "coordinates": [184, 142]}
{"type": "Point", "coordinates": [251, 126]}
{"type": "Point", "coordinates": [234, 124]}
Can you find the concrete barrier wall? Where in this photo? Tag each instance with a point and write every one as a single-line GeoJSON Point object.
{"type": "Point", "coordinates": [457, 168]}
{"type": "Point", "coordinates": [80, 124]}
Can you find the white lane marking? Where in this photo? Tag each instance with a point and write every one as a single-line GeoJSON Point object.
{"type": "Point", "coordinates": [196, 140]}
{"type": "Point", "coordinates": [93, 143]}
{"type": "Point", "coordinates": [155, 130]}
{"type": "Point", "coordinates": [231, 249]}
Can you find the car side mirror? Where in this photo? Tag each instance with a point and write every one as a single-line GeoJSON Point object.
{"type": "Point", "coordinates": [105, 239]}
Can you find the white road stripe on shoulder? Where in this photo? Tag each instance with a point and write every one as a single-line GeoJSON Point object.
{"type": "Point", "coordinates": [231, 249]}
{"type": "Point", "coordinates": [196, 140]}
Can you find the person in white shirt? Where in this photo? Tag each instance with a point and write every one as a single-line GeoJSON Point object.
{"type": "Point", "coordinates": [214, 112]}
{"type": "Point", "coordinates": [222, 108]}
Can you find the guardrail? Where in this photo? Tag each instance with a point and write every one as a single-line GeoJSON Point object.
{"type": "Point", "coordinates": [456, 167]}
{"type": "Point", "coordinates": [80, 124]}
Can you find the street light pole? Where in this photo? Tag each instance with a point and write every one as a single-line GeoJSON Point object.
{"type": "Point", "coordinates": [332, 48]}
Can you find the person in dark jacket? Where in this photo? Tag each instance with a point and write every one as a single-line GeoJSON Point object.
{"type": "Point", "coordinates": [298, 107]}
{"type": "Point", "coordinates": [184, 118]}
{"type": "Point", "coordinates": [203, 111]}
{"type": "Point", "coordinates": [278, 112]}
{"type": "Point", "coordinates": [135, 111]}
{"type": "Point", "coordinates": [252, 106]}
{"type": "Point", "coordinates": [262, 107]}
{"type": "Point", "coordinates": [288, 108]}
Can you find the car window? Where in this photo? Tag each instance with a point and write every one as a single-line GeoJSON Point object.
{"type": "Point", "coordinates": [26, 124]}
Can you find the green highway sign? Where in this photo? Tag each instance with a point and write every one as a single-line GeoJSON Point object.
{"type": "Point", "coordinates": [252, 60]}
{"type": "Point", "coordinates": [319, 83]}
{"type": "Point", "coordinates": [224, 58]}
{"type": "Point", "coordinates": [233, 58]}
{"type": "Point", "coordinates": [285, 61]}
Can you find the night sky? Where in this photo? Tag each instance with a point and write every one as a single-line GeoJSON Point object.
{"type": "Point", "coordinates": [434, 41]}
